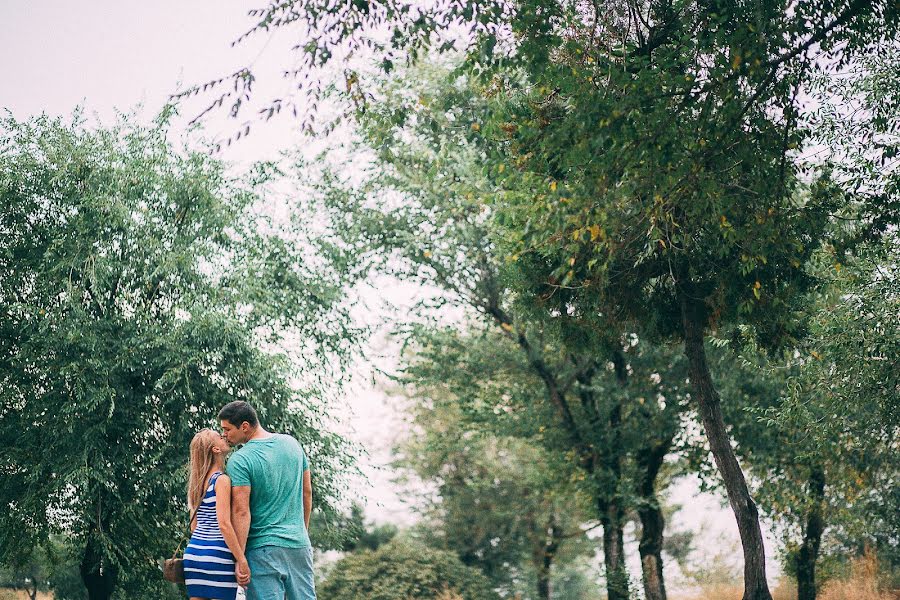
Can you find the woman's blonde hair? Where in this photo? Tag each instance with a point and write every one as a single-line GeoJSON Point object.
{"type": "Point", "coordinates": [202, 459]}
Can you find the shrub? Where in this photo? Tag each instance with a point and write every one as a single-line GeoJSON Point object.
{"type": "Point", "coordinates": [405, 570]}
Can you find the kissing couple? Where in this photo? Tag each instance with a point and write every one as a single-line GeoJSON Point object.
{"type": "Point", "coordinates": [250, 518]}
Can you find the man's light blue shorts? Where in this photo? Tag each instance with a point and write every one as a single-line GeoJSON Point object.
{"type": "Point", "coordinates": [281, 574]}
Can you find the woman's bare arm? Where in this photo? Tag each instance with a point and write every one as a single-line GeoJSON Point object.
{"type": "Point", "coordinates": [223, 516]}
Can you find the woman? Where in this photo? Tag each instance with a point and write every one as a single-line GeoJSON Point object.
{"type": "Point", "coordinates": [210, 556]}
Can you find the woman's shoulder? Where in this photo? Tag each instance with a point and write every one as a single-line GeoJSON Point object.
{"type": "Point", "coordinates": [221, 478]}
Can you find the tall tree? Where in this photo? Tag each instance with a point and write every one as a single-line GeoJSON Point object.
{"type": "Point", "coordinates": [843, 398]}
{"type": "Point", "coordinates": [648, 148]}
{"type": "Point", "coordinates": [436, 231]}
{"type": "Point", "coordinates": [139, 292]}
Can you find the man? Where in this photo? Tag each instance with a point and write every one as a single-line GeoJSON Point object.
{"type": "Point", "coordinates": [271, 500]}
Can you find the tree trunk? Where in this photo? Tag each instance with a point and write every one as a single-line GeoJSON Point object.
{"type": "Point", "coordinates": [614, 551]}
{"type": "Point", "coordinates": [745, 512]}
{"type": "Point", "coordinates": [544, 566]}
{"type": "Point", "coordinates": [812, 537]}
{"type": "Point", "coordinates": [98, 578]}
{"type": "Point", "coordinates": [543, 584]}
{"type": "Point", "coordinates": [650, 548]}
{"type": "Point", "coordinates": [543, 555]}
{"type": "Point", "coordinates": [652, 522]}
{"type": "Point", "coordinates": [34, 589]}
{"type": "Point", "coordinates": [611, 510]}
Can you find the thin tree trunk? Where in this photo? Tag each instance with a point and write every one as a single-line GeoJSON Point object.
{"type": "Point", "coordinates": [614, 551]}
{"type": "Point", "coordinates": [650, 548]}
{"type": "Point", "coordinates": [652, 523]}
{"type": "Point", "coordinates": [544, 555]}
{"type": "Point", "coordinates": [812, 538]}
{"type": "Point", "coordinates": [34, 589]}
{"type": "Point", "coordinates": [617, 583]}
{"type": "Point", "coordinates": [543, 584]}
{"type": "Point", "coordinates": [708, 402]}
{"type": "Point", "coordinates": [99, 579]}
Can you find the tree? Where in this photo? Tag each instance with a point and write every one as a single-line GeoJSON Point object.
{"type": "Point", "coordinates": [504, 504]}
{"type": "Point", "coordinates": [649, 154]}
{"type": "Point", "coordinates": [436, 231]}
{"type": "Point", "coordinates": [30, 573]}
{"type": "Point", "coordinates": [403, 569]}
{"type": "Point", "coordinates": [843, 388]}
{"type": "Point", "coordinates": [139, 293]}
{"type": "Point", "coordinates": [843, 398]}
{"type": "Point", "coordinates": [362, 536]}
{"type": "Point", "coordinates": [813, 425]}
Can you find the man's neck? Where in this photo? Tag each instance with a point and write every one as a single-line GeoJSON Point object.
{"type": "Point", "coordinates": [259, 434]}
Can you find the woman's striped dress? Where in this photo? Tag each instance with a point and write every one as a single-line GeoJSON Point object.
{"type": "Point", "coordinates": [208, 563]}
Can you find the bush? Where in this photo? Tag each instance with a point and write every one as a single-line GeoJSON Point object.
{"type": "Point", "coordinates": [405, 570]}
{"type": "Point", "coordinates": [66, 584]}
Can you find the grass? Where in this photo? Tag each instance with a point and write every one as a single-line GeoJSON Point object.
{"type": "Point", "coordinates": [862, 584]}
{"type": "Point", "coordinates": [9, 594]}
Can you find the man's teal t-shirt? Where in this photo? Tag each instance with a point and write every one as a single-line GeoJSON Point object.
{"type": "Point", "coordinates": [273, 467]}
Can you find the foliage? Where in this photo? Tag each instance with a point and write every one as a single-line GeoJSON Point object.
{"type": "Point", "coordinates": [856, 132]}
{"type": "Point", "coordinates": [417, 212]}
{"type": "Point", "coordinates": [503, 504]}
{"type": "Point", "coordinates": [724, 45]}
{"type": "Point", "coordinates": [66, 582]}
{"type": "Point", "coordinates": [846, 383]}
{"type": "Point", "coordinates": [575, 582]}
{"type": "Point", "coordinates": [403, 569]}
{"type": "Point", "coordinates": [814, 426]}
{"type": "Point", "coordinates": [52, 565]}
{"type": "Point", "coordinates": [32, 571]}
{"type": "Point", "coordinates": [363, 537]}
{"type": "Point", "coordinates": [641, 159]}
{"type": "Point", "coordinates": [651, 186]}
{"type": "Point", "coordinates": [140, 291]}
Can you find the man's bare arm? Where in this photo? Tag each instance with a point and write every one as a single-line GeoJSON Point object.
{"type": "Point", "coordinates": [240, 521]}
{"type": "Point", "coordinates": [307, 497]}
{"type": "Point", "coordinates": [240, 513]}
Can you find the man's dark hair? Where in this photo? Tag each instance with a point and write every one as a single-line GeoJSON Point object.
{"type": "Point", "coordinates": [237, 412]}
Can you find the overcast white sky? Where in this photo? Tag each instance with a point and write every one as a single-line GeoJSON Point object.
{"type": "Point", "coordinates": [107, 55]}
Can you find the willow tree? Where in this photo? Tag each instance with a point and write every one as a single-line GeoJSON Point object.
{"type": "Point", "coordinates": [139, 292]}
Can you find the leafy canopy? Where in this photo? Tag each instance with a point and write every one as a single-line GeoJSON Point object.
{"type": "Point", "coordinates": [140, 291]}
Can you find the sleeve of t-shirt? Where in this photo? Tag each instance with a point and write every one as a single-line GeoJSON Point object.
{"type": "Point", "coordinates": [238, 470]}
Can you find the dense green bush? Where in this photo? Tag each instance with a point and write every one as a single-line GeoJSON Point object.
{"type": "Point", "coordinates": [404, 570]}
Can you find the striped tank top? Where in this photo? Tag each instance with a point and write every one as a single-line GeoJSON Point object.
{"type": "Point", "coordinates": [208, 563]}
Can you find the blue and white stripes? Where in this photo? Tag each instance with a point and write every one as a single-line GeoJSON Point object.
{"type": "Point", "coordinates": [208, 563]}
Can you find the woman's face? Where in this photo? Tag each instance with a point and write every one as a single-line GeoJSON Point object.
{"type": "Point", "coordinates": [219, 445]}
